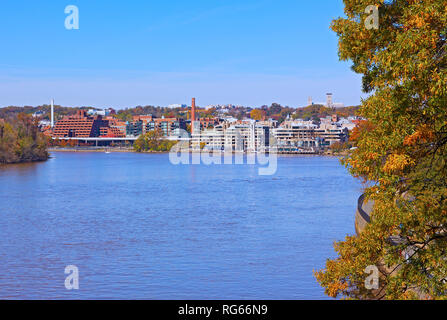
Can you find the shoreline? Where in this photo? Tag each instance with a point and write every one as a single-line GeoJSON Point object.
{"type": "Point", "coordinates": [123, 150]}
{"type": "Point", "coordinates": [24, 162]}
{"type": "Point", "coordinates": [100, 149]}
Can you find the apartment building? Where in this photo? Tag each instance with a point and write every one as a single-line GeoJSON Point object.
{"type": "Point", "coordinates": [79, 125]}
{"type": "Point", "coordinates": [305, 134]}
{"type": "Point", "coordinates": [331, 133]}
{"type": "Point", "coordinates": [143, 124]}
{"type": "Point", "coordinates": [237, 137]}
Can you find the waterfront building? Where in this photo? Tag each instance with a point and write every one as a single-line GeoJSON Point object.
{"type": "Point", "coordinates": [213, 139]}
{"type": "Point", "coordinates": [115, 128]}
{"type": "Point", "coordinates": [234, 137]}
{"type": "Point", "coordinates": [297, 134]}
{"type": "Point", "coordinates": [79, 125]}
{"type": "Point", "coordinates": [168, 126]}
{"type": "Point", "coordinates": [331, 133]}
{"type": "Point", "coordinates": [117, 124]}
{"type": "Point", "coordinates": [146, 123]}
{"type": "Point", "coordinates": [305, 134]}
{"type": "Point", "coordinates": [134, 128]}
{"type": "Point", "coordinates": [251, 137]}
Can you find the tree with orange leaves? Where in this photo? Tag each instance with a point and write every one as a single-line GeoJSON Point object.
{"type": "Point", "coordinates": [401, 151]}
{"type": "Point", "coordinates": [257, 114]}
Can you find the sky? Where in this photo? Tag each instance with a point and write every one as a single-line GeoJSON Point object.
{"type": "Point", "coordinates": [152, 52]}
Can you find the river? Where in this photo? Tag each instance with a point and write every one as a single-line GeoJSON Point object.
{"type": "Point", "coordinates": [138, 227]}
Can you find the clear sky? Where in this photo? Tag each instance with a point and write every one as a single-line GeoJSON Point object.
{"type": "Point", "coordinates": [141, 52]}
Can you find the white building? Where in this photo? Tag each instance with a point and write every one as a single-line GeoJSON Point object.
{"type": "Point", "coordinates": [233, 137]}
{"type": "Point", "coordinates": [99, 112]}
{"type": "Point", "coordinates": [305, 134]}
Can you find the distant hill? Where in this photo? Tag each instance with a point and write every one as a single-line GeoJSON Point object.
{"type": "Point", "coordinates": [321, 111]}
{"type": "Point", "coordinates": [12, 112]}
{"type": "Point", "coordinates": [275, 111]}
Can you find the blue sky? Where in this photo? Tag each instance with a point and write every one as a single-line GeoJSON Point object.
{"type": "Point", "coordinates": [140, 52]}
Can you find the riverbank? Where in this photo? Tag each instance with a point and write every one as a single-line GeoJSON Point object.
{"type": "Point", "coordinates": [327, 153]}
{"type": "Point", "coordinates": [343, 153]}
{"type": "Point", "coordinates": [103, 149]}
{"type": "Point", "coordinates": [41, 156]}
{"type": "Point", "coordinates": [25, 161]}
{"type": "Point", "coordinates": [91, 149]}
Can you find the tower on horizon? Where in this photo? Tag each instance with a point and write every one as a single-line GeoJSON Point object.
{"type": "Point", "coordinates": [329, 100]}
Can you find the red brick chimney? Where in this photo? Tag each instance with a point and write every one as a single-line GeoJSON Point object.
{"type": "Point", "coordinates": [193, 113]}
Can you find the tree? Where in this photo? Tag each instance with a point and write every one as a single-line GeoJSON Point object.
{"type": "Point", "coordinates": [362, 128]}
{"type": "Point", "coordinates": [140, 144]}
{"type": "Point", "coordinates": [401, 153]}
{"type": "Point", "coordinates": [21, 141]}
{"type": "Point", "coordinates": [257, 114]}
{"type": "Point", "coordinates": [153, 141]}
{"type": "Point", "coordinates": [275, 108]}
{"type": "Point", "coordinates": [338, 146]}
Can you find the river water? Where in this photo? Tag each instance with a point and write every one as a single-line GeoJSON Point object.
{"type": "Point", "coordinates": [138, 227]}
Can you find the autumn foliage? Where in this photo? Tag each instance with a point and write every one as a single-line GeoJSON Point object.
{"type": "Point", "coordinates": [153, 141]}
{"type": "Point", "coordinates": [401, 151]}
{"type": "Point", "coordinates": [257, 114]}
{"type": "Point", "coordinates": [21, 141]}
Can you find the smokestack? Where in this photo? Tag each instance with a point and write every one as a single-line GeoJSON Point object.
{"type": "Point", "coordinates": [52, 113]}
{"type": "Point", "coordinates": [193, 114]}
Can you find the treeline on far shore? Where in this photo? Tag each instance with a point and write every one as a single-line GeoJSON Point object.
{"type": "Point", "coordinates": [21, 140]}
{"type": "Point", "coordinates": [274, 111]}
